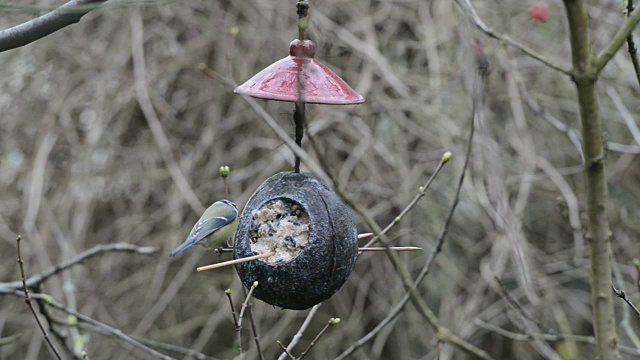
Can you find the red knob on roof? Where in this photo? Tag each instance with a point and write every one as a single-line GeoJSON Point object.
{"type": "Point", "coordinates": [299, 74]}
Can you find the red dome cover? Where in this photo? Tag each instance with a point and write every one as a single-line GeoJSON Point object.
{"type": "Point", "coordinates": [319, 85]}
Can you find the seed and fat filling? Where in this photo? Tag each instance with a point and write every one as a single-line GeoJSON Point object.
{"type": "Point", "coordinates": [281, 226]}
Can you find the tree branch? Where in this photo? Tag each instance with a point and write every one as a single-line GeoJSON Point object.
{"type": "Point", "coordinates": [631, 45]}
{"type": "Point", "coordinates": [477, 21]}
{"type": "Point", "coordinates": [109, 330]}
{"type": "Point", "coordinates": [30, 304]}
{"type": "Point", "coordinates": [67, 14]}
{"type": "Point", "coordinates": [617, 41]}
{"type": "Point", "coordinates": [585, 69]}
{"type": "Point", "coordinates": [94, 251]}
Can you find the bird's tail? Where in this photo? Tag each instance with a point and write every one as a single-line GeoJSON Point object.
{"type": "Point", "coordinates": [187, 244]}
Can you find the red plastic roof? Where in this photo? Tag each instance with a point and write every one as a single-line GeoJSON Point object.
{"type": "Point", "coordinates": [282, 79]}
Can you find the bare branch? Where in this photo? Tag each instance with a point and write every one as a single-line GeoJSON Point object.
{"type": "Point", "coordinates": [94, 251]}
{"type": "Point", "coordinates": [477, 21]}
{"type": "Point", "coordinates": [117, 333]}
{"type": "Point", "coordinates": [421, 192]}
{"type": "Point", "coordinates": [298, 335]}
{"type": "Point", "coordinates": [67, 14]}
{"type": "Point", "coordinates": [631, 45]}
{"type": "Point", "coordinates": [331, 322]}
{"type": "Point", "coordinates": [548, 337]}
{"type": "Point", "coordinates": [25, 289]}
{"type": "Point", "coordinates": [623, 295]}
{"type": "Point", "coordinates": [621, 36]}
{"type": "Point", "coordinates": [393, 314]}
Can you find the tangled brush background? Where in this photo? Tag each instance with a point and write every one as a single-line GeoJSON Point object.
{"type": "Point", "coordinates": [83, 164]}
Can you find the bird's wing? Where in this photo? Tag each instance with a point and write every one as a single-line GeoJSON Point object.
{"type": "Point", "coordinates": [204, 228]}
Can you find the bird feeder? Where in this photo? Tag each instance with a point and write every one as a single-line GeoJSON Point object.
{"type": "Point", "coordinates": [300, 78]}
{"type": "Point", "coordinates": [309, 233]}
{"type": "Point", "coordinates": [300, 236]}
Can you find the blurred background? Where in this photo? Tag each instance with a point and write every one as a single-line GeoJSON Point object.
{"type": "Point", "coordinates": [80, 166]}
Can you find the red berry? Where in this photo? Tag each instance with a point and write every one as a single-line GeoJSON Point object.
{"type": "Point", "coordinates": [301, 48]}
{"type": "Point", "coordinates": [539, 12]}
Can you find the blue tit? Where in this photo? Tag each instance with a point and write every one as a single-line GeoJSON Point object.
{"type": "Point", "coordinates": [215, 227]}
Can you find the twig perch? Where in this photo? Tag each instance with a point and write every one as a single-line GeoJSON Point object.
{"type": "Point", "coordinates": [233, 262]}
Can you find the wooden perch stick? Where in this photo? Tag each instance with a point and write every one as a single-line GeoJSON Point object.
{"type": "Point", "coordinates": [233, 262]}
{"type": "Point", "coordinates": [262, 256]}
{"type": "Point", "coordinates": [364, 235]}
{"type": "Point", "coordinates": [396, 248]}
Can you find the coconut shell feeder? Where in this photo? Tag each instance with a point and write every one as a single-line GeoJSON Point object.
{"type": "Point", "coordinates": [310, 234]}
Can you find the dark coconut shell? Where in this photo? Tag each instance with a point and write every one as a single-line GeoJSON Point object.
{"type": "Point", "coordinates": [323, 265]}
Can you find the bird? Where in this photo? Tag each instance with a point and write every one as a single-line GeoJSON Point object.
{"type": "Point", "coordinates": [214, 228]}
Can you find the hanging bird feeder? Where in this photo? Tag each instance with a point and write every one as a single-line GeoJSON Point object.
{"type": "Point", "coordinates": [308, 234]}
{"type": "Point", "coordinates": [302, 236]}
{"type": "Point", "coordinates": [296, 237]}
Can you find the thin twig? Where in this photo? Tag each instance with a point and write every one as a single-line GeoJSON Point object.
{"type": "Point", "coordinates": [235, 320]}
{"type": "Point", "coordinates": [61, 336]}
{"type": "Point", "coordinates": [624, 113]}
{"type": "Point", "coordinates": [254, 327]}
{"type": "Point", "coordinates": [32, 30]}
{"type": "Point", "coordinates": [477, 21]}
{"type": "Point", "coordinates": [241, 315]}
{"type": "Point", "coordinates": [623, 295]}
{"type": "Point", "coordinates": [78, 259]}
{"type": "Point", "coordinates": [301, 330]}
{"type": "Point", "coordinates": [233, 308]}
{"type": "Point", "coordinates": [284, 349]}
{"type": "Point", "coordinates": [9, 340]}
{"type": "Point", "coordinates": [174, 349]}
{"type": "Point", "coordinates": [109, 330]}
{"type": "Point", "coordinates": [393, 314]}
{"type": "Point", "coordinates": [631, 45]}
{"type": "Point", "coordinates": [515, 304]}
{"type": "Point", "coordinates": [331, 322]}
{"type": "Point", "coordinates": [29, 303]}
{"type": "Point", "coordinates": [421, 192]}
{"type": "Point", "coordinates": [625, 322]}
{"type": "Point", "coordinates": [224, 173]}
{"type": "Point", "coordinates": [254, 330]}
{"type": "Point", "coordinates": [548, 337]}
{"type": "Point", "coordinates": [572, 134]}
{"type": "Point", "coordinates": [246, 301]}
{"type": "Point", "coordinates": [151, 343]}
{"type": "Point", "coordinates": [636, 265]}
